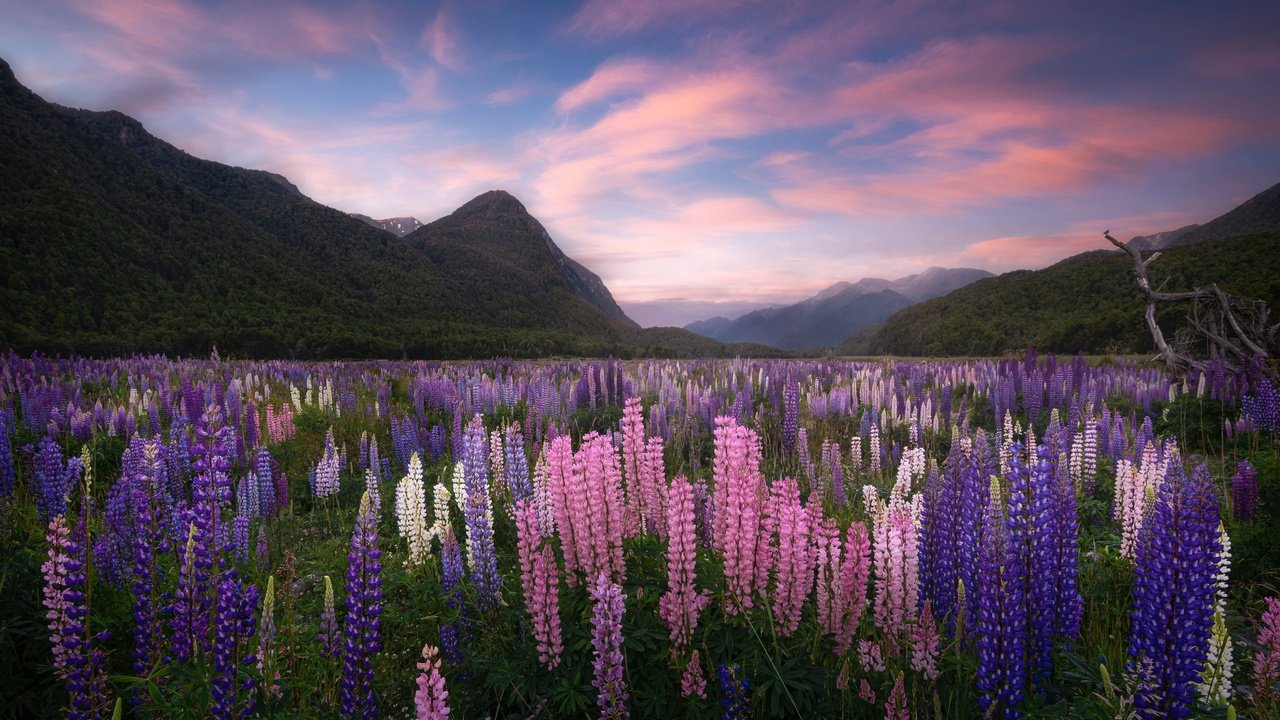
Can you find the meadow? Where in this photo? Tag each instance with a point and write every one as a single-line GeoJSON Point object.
{"type": "Point", "coordinates": [1020, 537]}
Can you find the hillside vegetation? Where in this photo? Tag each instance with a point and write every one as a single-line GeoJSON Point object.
{"type": "Point", "coordinates": [1087, 302]}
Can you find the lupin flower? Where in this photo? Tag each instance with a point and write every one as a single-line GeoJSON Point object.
{"type": "Point", "coordinates": [1215, 679]}
{"type": "Point", "coordinates": [1263, 407]}
{"type": "Point", "coordinates": [1001, 617]}
{"type": "Point", "coordinates": [692, 681]}
{"type": "Point", "coordinates": [268, 657]}
{"type": "Point", "coordinates": [231, 691]}
{"type": "Point", "coordinates": [790, 416]}
{"type": "Point", "coordinates": [1244, 492]}
{"type": "Point", "coordinates": [681, 605]}
{"type": "Point", "coordinates": [866, 692]}
{"type": "Point", "coordinates": [362, 639]}
{"type": "Point", "coordinates": [328, 469]}
{"type": "Point", "coordinates": [741, 495]}
{"type": "Point", "coordinates": [53, 479]}
{"type": "Point", "coordinates": [586, 487]}
{"type": "Point", "coordinates": [211, 494]}
{"type": "Point", "coordinates": [924, 644]}
{"type": "Point", "coordinates": [451, 573]}
{"type": "Point", "coordinates": [441, 497]}
{"type": "Point", "coordinates": [184, 608]}
{"type": "Point", "coordinates": [1266, 663]}
{"type": "Point", "coordinates": [1174, 584]}
{"type": "Point", "coordinates": [262, 551]}
{"type": "Point", "coordinates": [870, 656]}
{"type": "Point", "coordinates": [240, 537]}
{"type": "Point", "coordinates": [329, 636]}
{"type": "Point", "coordinates": [431, 698]}
{"type": "Point", "coordinates": [896, 707]}
{"type": "Point", "coordinates": [874, 450]}
{"type": "Point", "coordinates": [606, 643]}
{"type": "Point", "coordinates": [371, 486]}
{"type": "Point", "coordinates": [843, 572]}
{"type": "Point", "coordinates": [515, 465]}
{"type": "Point", "coordinates": [842, 677]}
{"type": "Point", "coordinates": [796, 555]}
{"type": "Point", "coordinates": [148, 543]}
{"type": "Point", "coordinates": [734, 691]}
{"type": "Point", "coordinates": [266, 483]}
{"type": "Point", "coordinates": [8, 474]}
{"type": "Point", "coordinates": [538, 575]}
{"type": "Point", "coordinates": [897, 570]}
{"type": "Point", "coordinates": [479, 517]}
{"type": "Point", "coordinates": [57, 571]}
{"type": "Point", "coordinates": [411, 513]}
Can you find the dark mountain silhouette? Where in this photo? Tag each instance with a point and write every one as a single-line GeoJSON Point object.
{"type": "Point", "coordinates": [114, 241]}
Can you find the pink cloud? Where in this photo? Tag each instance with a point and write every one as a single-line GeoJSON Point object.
{"type": "Point", "coordinates": [421, 83]}
{"type": "Point", "coordinates": [961, 164]}
{"type": "Point", "coordinates": [679, 118]}
{"type": "Point", "coordinates": [614, 78]}
{"type": "Point", "coordinates": [442, 40]}
{"type": "Point", "coordinates": [461, 172]}
{"type": "Point", "coordinates": [277, 30]}
{"type": "Point", "coordinates": [1011, 253]}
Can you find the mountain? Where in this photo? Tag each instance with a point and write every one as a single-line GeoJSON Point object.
{"type": "Point", "coordinates": [493, 238]}
{"type": "Point", "coordinates": [113, 241]}
{"type": "Point", "coordinates": [835, 313]}
{"type": "Point", "coordinates": [1257, 216]}
{"type": "Point", "coordinates": [398, 226]}
{"type": "Point", "coordinates": [1090, 301]}
{"type": "Point", "coordinates": [1087, 302]}
{"type": "Point", "coordinates": [1161, 240]}
{"type": "Point", "coordinates": [936, 281]}
{"type": "Point", "coordinates": [711, 327]}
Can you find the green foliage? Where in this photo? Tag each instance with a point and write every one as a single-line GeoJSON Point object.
{"type": "Point", "coordinates": [1195, 421]}
{"type": "Point", "coordinates": [1087, 302]}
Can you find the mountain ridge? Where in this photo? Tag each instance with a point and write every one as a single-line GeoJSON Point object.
{"type": "Point", "coordinates": [114, 241]}
{"type": "Point", "coordinates": [839, 310]}
{"type": "Point", "coordinates": [398, 226]}
{"type": "Point", "coordinates": [1089, 301]}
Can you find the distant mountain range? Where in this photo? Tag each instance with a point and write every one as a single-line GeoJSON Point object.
{"type": "Point", "coordinates": [1090, 301]}
{"type": "Point", "coordinates": [398, 226]}
{"type": "Point", "coordinates": [828, 318]}
{"type": "Point", "coordinates": [113, 241]}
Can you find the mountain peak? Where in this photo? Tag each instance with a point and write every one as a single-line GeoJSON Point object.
{"type": "Point", "coordinates": [7, 78]}
{"type": "Point", "coordinates": [398, 226]}
{"type": "Point", "coordinates": [494, 203]}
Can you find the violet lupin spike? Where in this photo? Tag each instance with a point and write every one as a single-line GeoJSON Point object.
{"type": "Point", "coordinates": [606, 641]}
{"type": "Point", "coordinates": [232, 688]}
{"type": "Point", "coordinates": [361, 631]}
{"type": "Point", "coordinates": [1175, 573]}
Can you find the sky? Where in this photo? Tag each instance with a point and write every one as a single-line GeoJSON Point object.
{"type": "Point", "coordinates": [708, 156]}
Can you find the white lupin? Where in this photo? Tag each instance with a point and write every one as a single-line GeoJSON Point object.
{"type": "Point", "coordinates": [411, 513]}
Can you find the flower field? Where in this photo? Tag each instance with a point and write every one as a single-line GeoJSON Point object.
{"type": "Point", "coordinates": [1029, 537]}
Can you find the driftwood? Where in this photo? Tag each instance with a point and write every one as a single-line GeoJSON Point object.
{"type": "Point", "coordinates": [1219, 325]}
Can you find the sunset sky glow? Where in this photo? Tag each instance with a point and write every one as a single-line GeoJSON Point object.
{"type": "Point", "coordinates": [708, 150]}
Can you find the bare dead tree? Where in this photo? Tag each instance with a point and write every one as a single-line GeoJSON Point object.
{"type": "Point", "coordinates": [1219, 325]}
